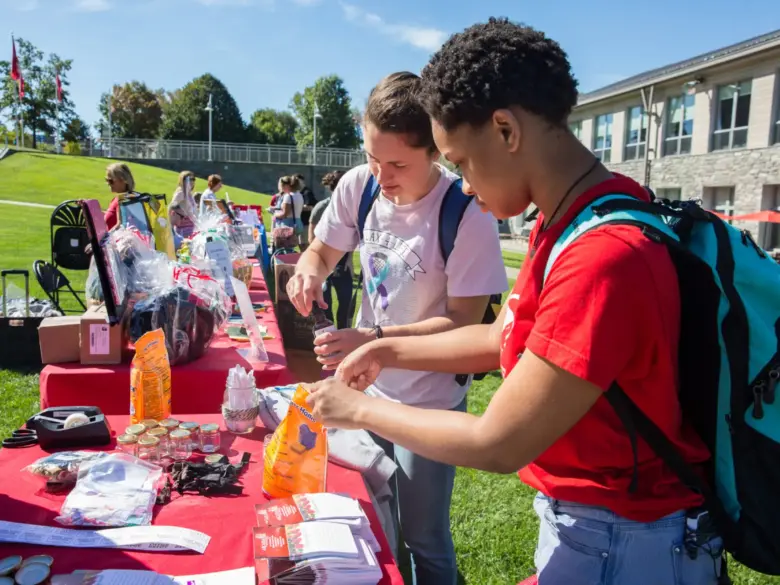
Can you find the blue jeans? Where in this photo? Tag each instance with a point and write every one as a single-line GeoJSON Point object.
{"type": "Point", "coordinates": [422, 491]}
{"type": "Point", "coordinates": [587, 545]}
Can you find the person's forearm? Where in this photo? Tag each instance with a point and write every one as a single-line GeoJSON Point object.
{"type": "Point", "coordinates": [458, 351]}
{"type": "Point", "coordinates": [440, 435]}
{"type": "Point", "coordinates": [312, 264]}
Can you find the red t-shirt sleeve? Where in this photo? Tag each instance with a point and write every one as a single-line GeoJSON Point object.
{"type": "Point", "coordinates": [592, 306]}
{"type": "Point", "coordinates": [112, 213]}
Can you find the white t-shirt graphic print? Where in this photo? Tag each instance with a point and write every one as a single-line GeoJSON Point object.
{"type": "Point", "coordinates": [404, 276]}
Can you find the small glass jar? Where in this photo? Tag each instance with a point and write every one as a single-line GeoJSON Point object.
{"type": "Point", "coordinates": [210, 440]}
{"type": "Point", "coordinates": [193, 429]}
{"type": "Point", "coordinates": [149, 449]}
{"type": "Point", "coordinates": [149, 424]}
{"type": "Point", "coordinates": [136, 430]}
{"type": "Point", "coordinates": [180, 445]}
{"type": "Point", "coordinates": [128, 443]}
{"type": "Point", "coordinates": [162, 435]}
{"type": "Point", "coordinates": [170, 424]}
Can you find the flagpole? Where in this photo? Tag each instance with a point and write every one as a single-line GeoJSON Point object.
{"type": "Point", "coordinates": [19, 117]}
{"type": "Point", "coordinates": [59, 140]}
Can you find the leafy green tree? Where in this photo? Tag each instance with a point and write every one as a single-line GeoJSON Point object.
{"type": "Point", "coordinates": [185, 116]}
{"type": "Point", "coordinates": [39, 105]}
{"type": "Point", "coordinates": [336, 128]}
{"type": "Point", "coordinates": [136, 110]}
{"type": "Point", "coordinates": [76, 130]}
{"type": "Point", "coordinates": [269, 126]}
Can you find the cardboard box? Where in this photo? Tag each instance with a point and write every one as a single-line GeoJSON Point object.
{"type": "Point", "coordinates": [100, 342]}
{"type": "Point", "coordinates": [297, 331]}
{"type": "Point", "coordinates": [59, 339]}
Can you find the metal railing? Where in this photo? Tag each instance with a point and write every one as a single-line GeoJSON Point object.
{"type": "Point", "coordinates": [132, 148]}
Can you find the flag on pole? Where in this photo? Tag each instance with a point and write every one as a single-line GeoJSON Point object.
{"type": "Point", "coordinates": [16, 71]}
{"type": "Point", "coordinates": [59, 87]}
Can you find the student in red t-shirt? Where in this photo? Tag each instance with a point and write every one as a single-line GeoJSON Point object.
{"type": "Point", "coordinates": [499, 95]}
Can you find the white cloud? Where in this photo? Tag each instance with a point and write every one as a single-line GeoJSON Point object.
{"type": "Point", "coordinates": [91, 5]}
{"type": "Point", "coordinates": [21, 5]}
{"type": "Point", "coordinates": [429, 39]}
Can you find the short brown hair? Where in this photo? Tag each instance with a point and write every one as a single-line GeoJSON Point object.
{"type": "Point", "coordinates": [394, 106]}
{"type": "Point", "coordinates": [330, 180]}
{"type": "Point", "coordinates": [213, 181]}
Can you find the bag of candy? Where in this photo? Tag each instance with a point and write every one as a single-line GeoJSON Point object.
{"type": "Point", "coordinates": [296, 457]}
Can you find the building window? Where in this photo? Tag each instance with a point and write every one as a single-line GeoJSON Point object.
{"type": "Point", "coordinates": [602, 143]}
{"type": "Point", "coordinates": [720, 199]}
{"type": "Point", "coordinates": [732, 118]}
{"type": "Point", "coordinates": [769, 233]}
{"type": "Point", "coordinates": [679, 125]}
{"type": "Point", "coordinates": [636, 134]}
{"type": "Point", "coordinates": [670, 193]}
{"type": "Point", "coordinates": [576, 129]}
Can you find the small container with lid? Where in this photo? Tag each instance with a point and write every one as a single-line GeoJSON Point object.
{"type": "Point", "coordinates": [210, 440]}
{"type": "Point", "coordinates": [193, 429]}
{"type": "Point", "coordinates": [149, 424]}
{"type": "Point", "coordinates": [162, 435]}
{"type": "Point", "coordinates": [170, 424]}
{"type": "Point", "coordinates": [149, 449]}
{"type": "Point", "coordinates": [128, 443]}
{"type": "Point", "coordinates": [33, 574]}
{"type": "Point", "coordinates": [9, 565]}
{"type": "Point", "coordinates": [136, 430]}
{"type": "Point", "coordinates": [43, 559]}
{"type": "Point", "coordinates": [180, 444]}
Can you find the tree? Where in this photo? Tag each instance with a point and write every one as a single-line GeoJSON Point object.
{"type": "Point", "coordinates": [336, 128]}
{"type": "Point", "coordinates": [39, 105]}
{"type": "Point", "coordinates": [269, 126]}
{"type": "Point", "coordinates": [76, 130]}
{"type": "Point", "coordinates": [136, 110]}
{"type": "Point", "coordinates": [185, 116]}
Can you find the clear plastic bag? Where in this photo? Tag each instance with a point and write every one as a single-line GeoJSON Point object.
{"type": "Point", "coordinates": [62, 467]}
{"type": "Point", "coordinates": [116, 490]}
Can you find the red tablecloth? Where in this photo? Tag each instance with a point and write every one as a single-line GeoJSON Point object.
{"type": "Point", "coordinates": [196, 387]}
{"type": "Point", "coordinates": [227, 520]}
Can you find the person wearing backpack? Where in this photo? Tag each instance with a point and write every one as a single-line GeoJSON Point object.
{"type": "Point", "coordinates": [420, 276]}
{"type": "Point", "coordinates": [594, 342]}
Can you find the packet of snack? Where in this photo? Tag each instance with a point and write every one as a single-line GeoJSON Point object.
{"type": "Point", "coordinates": [150, 379]}
{"type": "Point", "coordinates": [296, 457]}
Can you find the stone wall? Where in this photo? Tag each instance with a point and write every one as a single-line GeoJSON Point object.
{"type": "Point", "coordinates": [748, 171]}
{"type": "Point", "coordinates": [260, 177]}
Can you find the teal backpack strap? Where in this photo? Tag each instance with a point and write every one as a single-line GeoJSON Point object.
{"type": "Point", "coordinates": [591, 217]}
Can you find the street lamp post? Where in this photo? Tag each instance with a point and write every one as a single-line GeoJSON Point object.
{"type": "Point", "coordinates": [317, 116]}
{"type": "Point", "coordinates": [210, 110]}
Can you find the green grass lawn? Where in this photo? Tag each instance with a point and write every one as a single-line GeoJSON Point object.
{"type": "Point", "coordinates": [494, 526]}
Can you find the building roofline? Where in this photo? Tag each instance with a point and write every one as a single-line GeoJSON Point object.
{"type": "Point", "coordinates": [683, 68]}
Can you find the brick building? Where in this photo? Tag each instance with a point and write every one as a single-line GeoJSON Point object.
{"type": "Point", "coordinates": [705, 128]}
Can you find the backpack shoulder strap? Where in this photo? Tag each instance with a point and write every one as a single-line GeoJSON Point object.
{"type": "Point", "coordinates": [616, 208]}
{"type": "Point", "coordinates": [453, 208]}
{"type": "Point", "coordinates": [367, 199]}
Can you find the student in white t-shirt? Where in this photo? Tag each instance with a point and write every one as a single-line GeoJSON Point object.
{"type": "Point", "coordinates": [209, 197]}
{"type": "Point", "coordinates": [407, 290]}
{"type": "Point", "coordinates": [291, 206]}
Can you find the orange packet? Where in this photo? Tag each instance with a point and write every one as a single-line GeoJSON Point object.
{"type": "Point", "coordinates": [150, 379]}
{"type": "Point", "coordinates": [296, 457]}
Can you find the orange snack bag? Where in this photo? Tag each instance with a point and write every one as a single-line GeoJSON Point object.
{"type": "Point", "coordinates": [150, 379]}
{"type": "Point", "coordinates": [296, 457]}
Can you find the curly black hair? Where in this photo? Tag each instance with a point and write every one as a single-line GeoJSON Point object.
{"type": "Point", "coordinates": [496, 65]}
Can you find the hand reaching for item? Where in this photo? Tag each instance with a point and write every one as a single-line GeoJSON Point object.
{"type": "Point", "coordinates": [304, 290]}
{"type": "Point", "coordinates": [360, 368]}
{"type": "Point", "coordinates": [332, 347]}
{"type": "Point", "coordinates": [335, 404]}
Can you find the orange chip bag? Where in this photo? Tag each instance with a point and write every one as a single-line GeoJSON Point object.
{"type": "Point", "coordinates": [296, 457]}
{"type": "Point", "coordinates": [150, 379]}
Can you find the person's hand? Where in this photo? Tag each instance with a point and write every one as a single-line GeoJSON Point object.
{"type": "Point", "coordinates": [361, 368]}
{"type": "Point", "coordinates": [335, 404]}
{"type": "Point", "coordinates": [304, 290]}
{"type": "Point", "coordinates": [334, 346]}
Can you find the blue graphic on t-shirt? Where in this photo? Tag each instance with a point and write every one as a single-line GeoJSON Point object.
{"type": "Point", "coordinates": [379, 269]}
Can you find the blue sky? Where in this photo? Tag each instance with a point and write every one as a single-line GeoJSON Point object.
{"type": "Point", "coordinates": [266, 50]}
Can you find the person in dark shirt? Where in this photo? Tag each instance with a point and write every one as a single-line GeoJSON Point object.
{"type": "Point", "coordinates": [309, 201]}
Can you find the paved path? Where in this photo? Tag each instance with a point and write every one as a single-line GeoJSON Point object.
{"type": "Point", "coordinates": [26, 204]}
{"type": "Point", "coordinates": [511, 272]}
